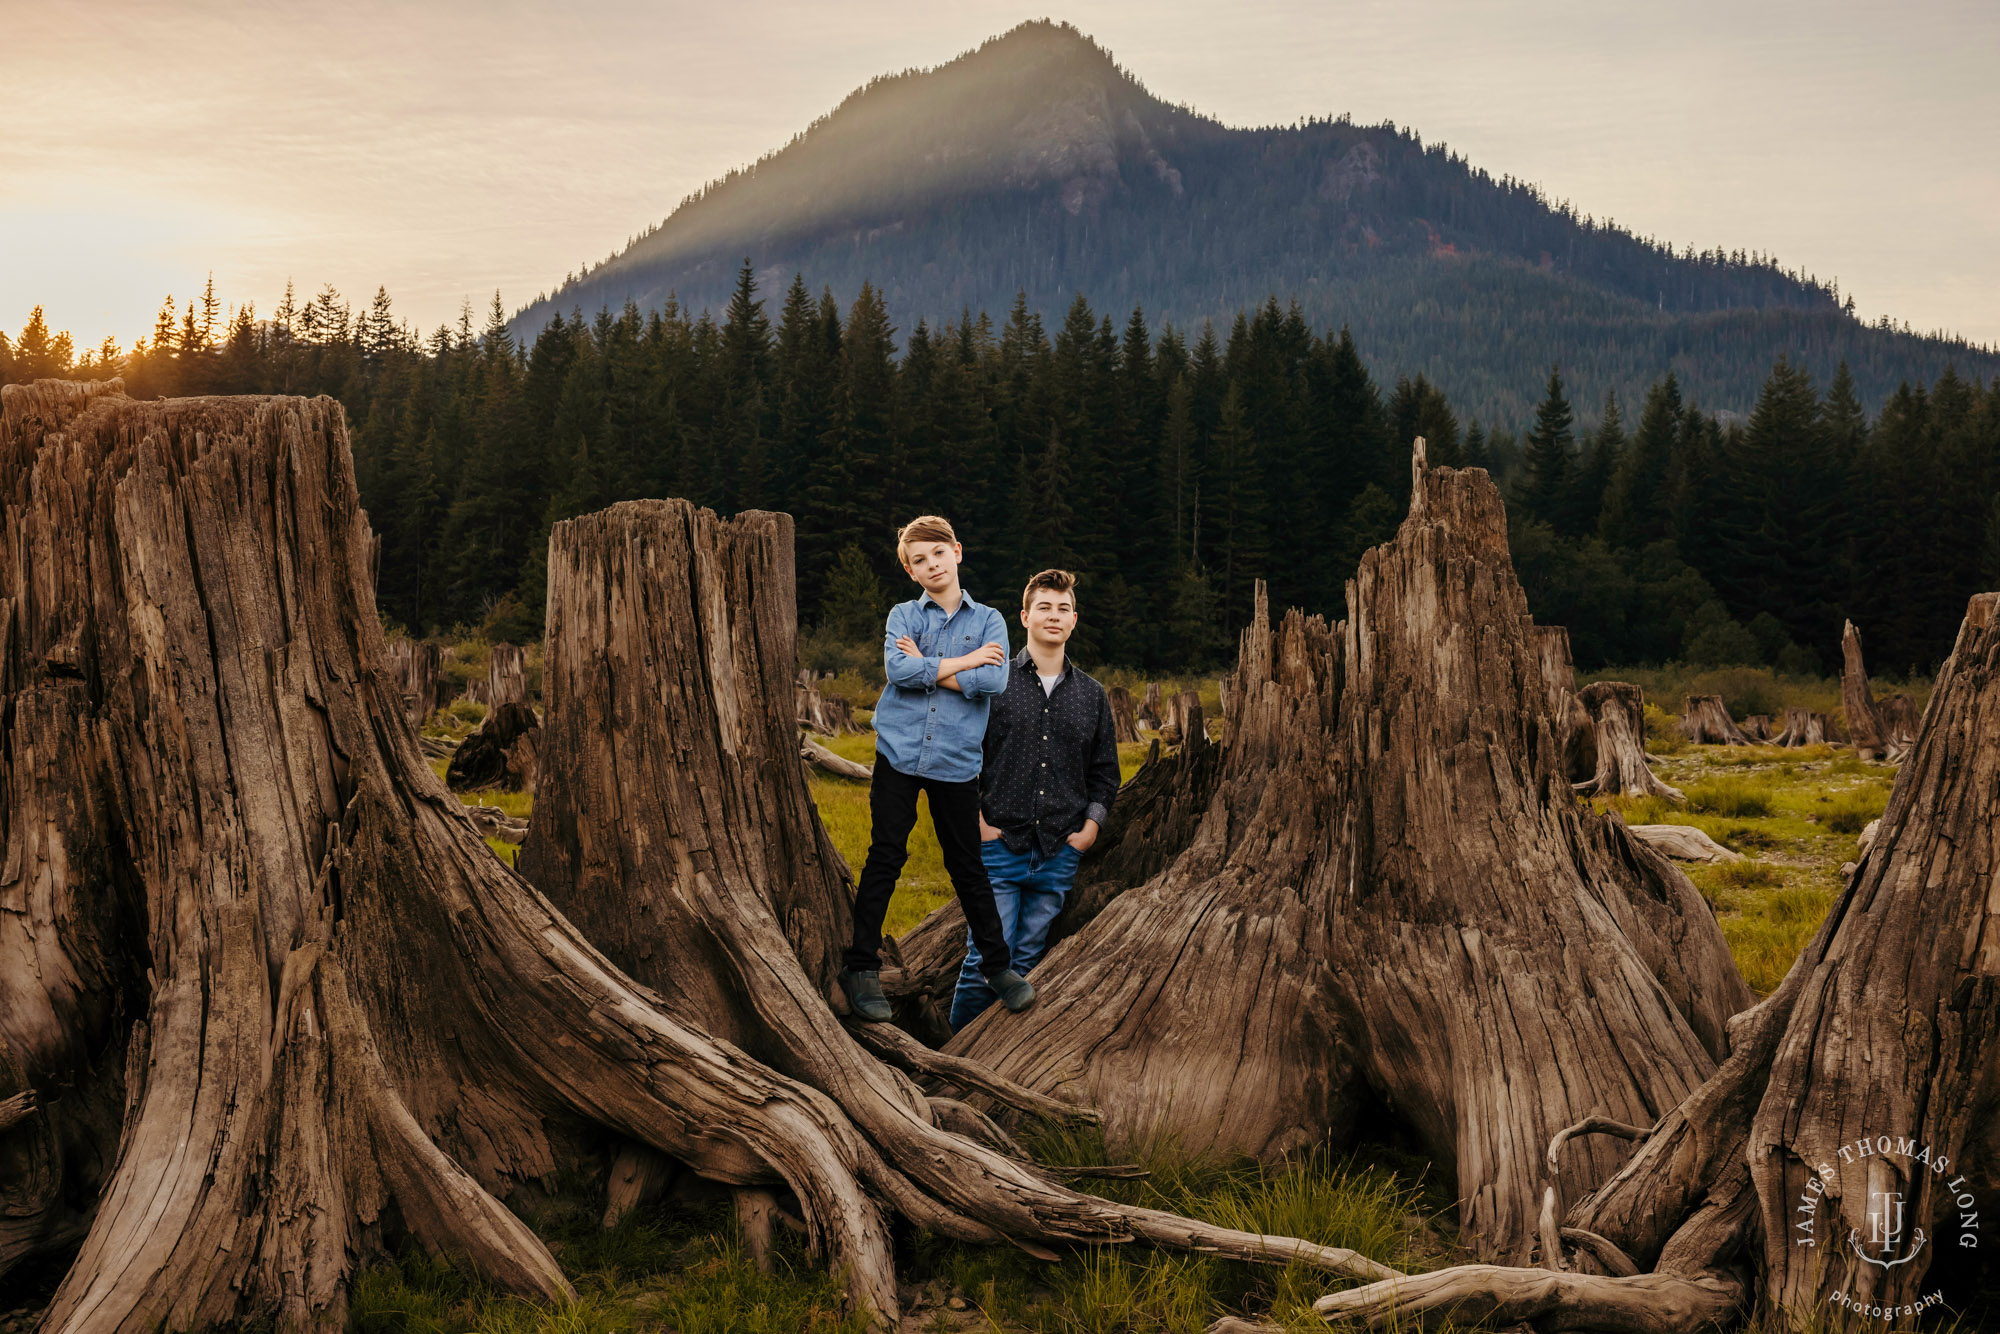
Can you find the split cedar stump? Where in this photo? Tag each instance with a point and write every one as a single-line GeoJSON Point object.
{"type": "Point", "coordinates": [1706, 722]}
{"type": "Point", "coordinates": [1149, 708]}
{"type": "Point", "coordinates": [1124, 724]}
{"type": "Point", "coordinates": [506, 676]}
{"type": "Point", "coordinates": [1879, 729]}
{"type": "Point", "coordinates": [313, 1002]}
{"type": "Point", "coordinates": [1758, 1189]}
{"type": "Point", "coordinates": [1392, 898]}
{"type": "Point", "coordinates": [1757, 727]}
{"type": "Point", "coordinates": [1617, 714]}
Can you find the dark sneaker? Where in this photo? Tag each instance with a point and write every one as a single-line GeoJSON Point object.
{"type": "Point", "coordinates": [865, 998]}
{"type": "Point", "coordinates": [1014, 991]}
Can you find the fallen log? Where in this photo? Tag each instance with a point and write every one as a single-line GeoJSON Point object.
{"type": "Point", "coordinates": [1782, 1165]}
{"type": "Point", "coordinates": [819, 757]}
{"type": "Point", "coordinates": [1391, 846]}
{"type": "Point", "coordinates": [1683, 843]}
{"type": "Point", "coordinates": [1706, 722]}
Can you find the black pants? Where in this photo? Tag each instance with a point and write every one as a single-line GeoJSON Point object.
{"type": "Point", "coordinates": [892, 808]}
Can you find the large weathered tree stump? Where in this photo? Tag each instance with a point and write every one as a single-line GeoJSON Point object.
{"type": "Point", "coordinates": [1848, 1142]}
{"type": "Point", "coordinates": [1392, 895]}
{"type": "Point", "coordinates": [1617, 714]}
{"type": "Point", "coordinates": [1705, 721]}
{"type": "Point", "coordinates": [349, 1024]}
{"type": "Point", "coordinates": [1803, 727]}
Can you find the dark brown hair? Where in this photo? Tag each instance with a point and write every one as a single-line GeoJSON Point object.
{"type": "Point", "coordinates": [1056, 581]}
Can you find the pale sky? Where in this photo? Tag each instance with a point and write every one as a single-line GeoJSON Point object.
{"type": "Point", "coordinates": [449, 148]}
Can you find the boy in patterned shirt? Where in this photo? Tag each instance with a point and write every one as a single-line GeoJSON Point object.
{"type": "Point", "coordinates": [1050, 776]}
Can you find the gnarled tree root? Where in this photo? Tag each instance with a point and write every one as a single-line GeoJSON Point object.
{"type": "Point", "coordinates": [1468, 1294]}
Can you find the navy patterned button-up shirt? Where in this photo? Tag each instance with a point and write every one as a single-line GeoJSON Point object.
{"type": "Point", "coordinates": [1051, 759]}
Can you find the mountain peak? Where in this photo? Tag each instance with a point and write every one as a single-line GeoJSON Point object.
{"type": "Point", "coordinates": [1035, 164]}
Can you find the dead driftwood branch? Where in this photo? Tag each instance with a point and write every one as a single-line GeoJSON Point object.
{"type": "Point", "coordinates": [819, 757]}
{"type": "Point", "coordinates": [1682, 842]}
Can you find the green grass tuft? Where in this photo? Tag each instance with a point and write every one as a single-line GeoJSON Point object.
{"type": "Point", "coordinates": [1734, 797]}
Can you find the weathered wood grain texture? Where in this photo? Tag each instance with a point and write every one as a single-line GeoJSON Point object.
{"type": "Point", "coordinates": [1884, 1034]}
{"type": "Point", "coordinates": [1617, 714]}
{"type": "Point", "coordinates": [675, 826]}
{"type": "Point", "coordinates": [1148, 710]}
{"type": "Point", "coordinates": [1124, 722]}
{"type": "Point", "coordinates": [1393, 893]}
{"type": "Point", "coordinates": [1705, 721]}
{"type": "Point", "coordinates": [72, 934]}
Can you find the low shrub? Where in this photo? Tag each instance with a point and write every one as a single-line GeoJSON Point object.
{"type": "Point", "coordinates": [1737, 798]}
{"type": "Point", "coordinates": [1849, 812]}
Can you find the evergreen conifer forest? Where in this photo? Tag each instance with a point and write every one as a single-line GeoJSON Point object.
{"type": "Point", "coordinates": [1170, 467]}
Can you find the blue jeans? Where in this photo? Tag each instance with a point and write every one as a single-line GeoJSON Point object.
{"type": "Point", "coordinates": [1028, 889]}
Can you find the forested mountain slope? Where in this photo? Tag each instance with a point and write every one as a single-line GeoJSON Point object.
{"type": "Point", "coordinates": [1035, 164]}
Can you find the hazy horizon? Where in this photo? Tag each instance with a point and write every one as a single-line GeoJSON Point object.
{"type": "Point", "coordinates": [458, 149]}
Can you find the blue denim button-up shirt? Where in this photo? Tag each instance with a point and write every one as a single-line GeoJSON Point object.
{"type": "Point", "coordinates": [920, 729]}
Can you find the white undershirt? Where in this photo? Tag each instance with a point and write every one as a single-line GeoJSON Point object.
{"type": "Point", "coordinates": [1049, 683]}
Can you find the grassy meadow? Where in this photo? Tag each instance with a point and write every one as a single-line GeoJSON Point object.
{"type": "Point", "coordinates": [1794, 814]}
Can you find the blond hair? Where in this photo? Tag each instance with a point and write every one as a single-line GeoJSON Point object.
{"type": "Point", "coordinates": [1056, 581]}
{"type": "Point", "coordinates": [923, 528]}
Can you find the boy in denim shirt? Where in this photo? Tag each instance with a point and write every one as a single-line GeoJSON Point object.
{"type": "Point", "coordinates": [945, 656]}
